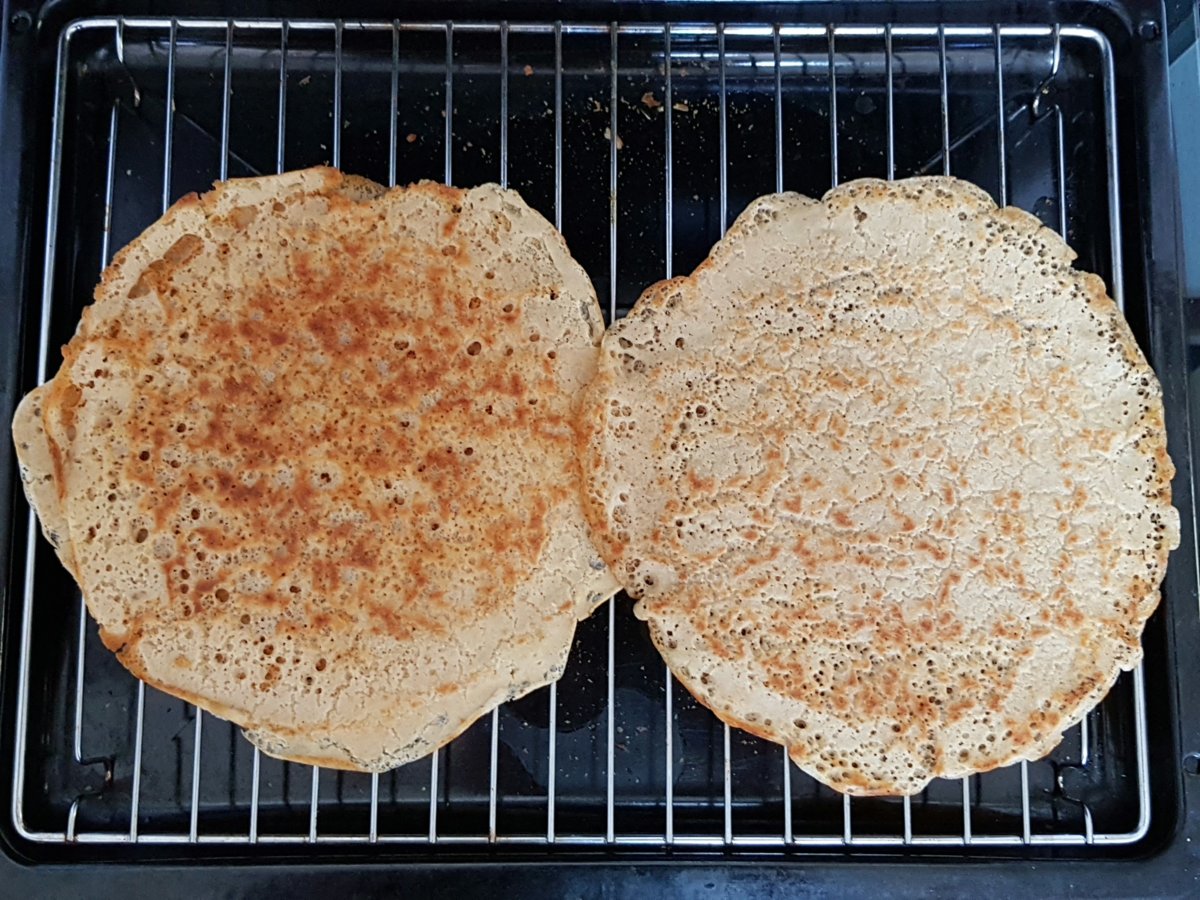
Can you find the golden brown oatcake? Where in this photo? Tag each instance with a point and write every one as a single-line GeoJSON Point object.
{"type": "Point", "coordinates": [310, 457]}
{"type": "Point", "coordinates": [889, 478]}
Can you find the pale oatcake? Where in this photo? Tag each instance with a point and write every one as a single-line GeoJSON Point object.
{"type": "Point", "coordinates": [889, 480]}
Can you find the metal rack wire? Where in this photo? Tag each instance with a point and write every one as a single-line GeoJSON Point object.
{"type": "Point", "coordinates": [678, 823]}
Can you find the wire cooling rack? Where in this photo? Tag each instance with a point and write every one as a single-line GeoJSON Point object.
{"type": "Point", "coordinates": [641, 142]}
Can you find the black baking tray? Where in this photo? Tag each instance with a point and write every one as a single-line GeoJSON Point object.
{"type": "Point", "coordinates": [1163, 863]}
